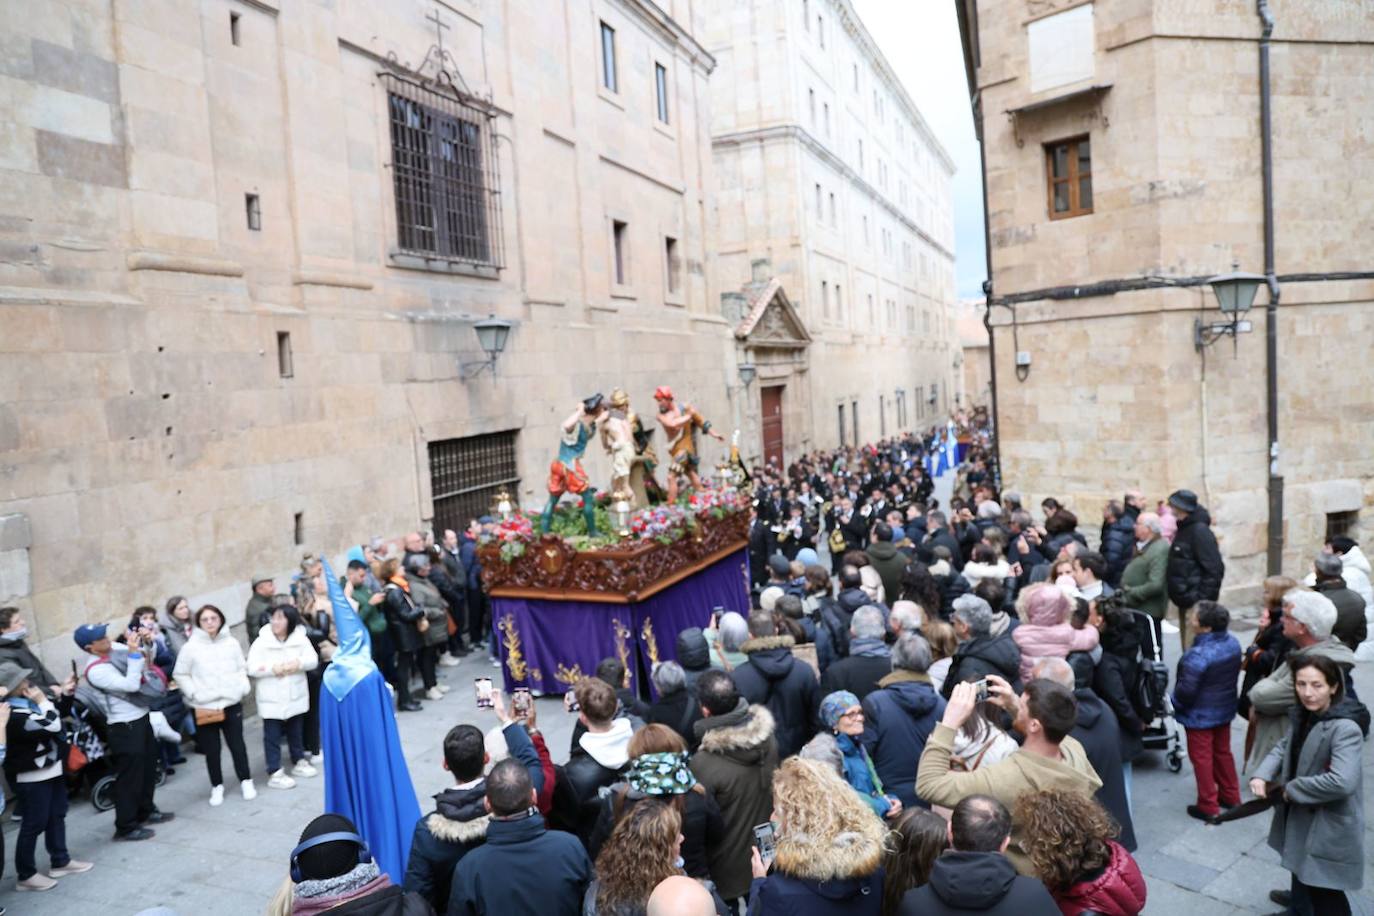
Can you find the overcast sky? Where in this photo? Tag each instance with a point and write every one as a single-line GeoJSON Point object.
{"type": "Point", "coordinates": [920, 39]}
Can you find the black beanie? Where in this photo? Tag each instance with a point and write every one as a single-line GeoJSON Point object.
{"type": "Point", "coordinates": [328, 860]}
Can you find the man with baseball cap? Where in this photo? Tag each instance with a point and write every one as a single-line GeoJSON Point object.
{"type": "Point", "coordinates": [1195, 566]}
{"type": "Point", "coordinates": [121, 683]}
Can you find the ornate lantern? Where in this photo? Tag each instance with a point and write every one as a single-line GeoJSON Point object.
{"type": "Point", "coordinates": [619, 512]}
{"type": "Point", "coordinates": [503, 506]}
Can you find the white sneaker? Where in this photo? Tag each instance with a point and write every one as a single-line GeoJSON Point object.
{"type": "Point", "coordinates": [448, 661]}
{"type": "Point", "coordinates": [36, 882]}
{"type": "Point", "coordinates": [249, 790]}
{"type": "Point", "coordinates": [434, 693]}
{"type": "Point", "coordinates": [304, 769]}
{"type": "Point", "coordinates": [216, 796]}
{"type": "Point", "coordinates": [279, 780]}
{"type": "Point", "coordinates": [443, 688]}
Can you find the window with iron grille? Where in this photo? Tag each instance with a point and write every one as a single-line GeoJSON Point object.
{"type": "Point", "coordinates": [444, 174]}
{"type": "Point", "coordinates": [466, 474]}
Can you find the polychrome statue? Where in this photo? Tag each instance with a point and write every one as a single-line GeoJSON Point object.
{"type": "Point", "coordinates": [681, 425]}
{"type": "Point", "coordinates": [565, 472]}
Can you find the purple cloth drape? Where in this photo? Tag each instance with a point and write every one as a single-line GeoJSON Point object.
{"type": "Point", "coordinates": [548, 645]}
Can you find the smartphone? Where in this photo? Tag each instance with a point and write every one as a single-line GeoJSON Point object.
{"type": "Point", "coordinates": [764, 840]}
{"type": "Point", "coordinates": [520, 703]}
{"type": "Point", "coordinates": [483, 688]}
{"type": "Point", "coordinates": [981, 690]}
{"type": "Point", "coordinates": [570, 703]}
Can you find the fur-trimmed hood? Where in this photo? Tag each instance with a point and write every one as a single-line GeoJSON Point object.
{"type": "Point", "coordinates": [851, 854]}
{"type": "Point", "coordinates": [451, 831]}
{"type": "Point", "coordinates": [838, 837]}
{"type": "Point", "coordinates": [763, 643]}
{"type": "Point", "coordinates": [459, 815]}
{"type": "Point", "coordinates": [743, 732]}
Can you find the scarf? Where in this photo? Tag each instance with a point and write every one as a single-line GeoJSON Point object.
{"type": "Point", "coordinates": [400, 580]}
{"type": "Point", "coordinates": [660, 774]}
{"type": "Point", "coordinates": [858, 766]}
{"type": "Point", "coordinates": [318, 896]}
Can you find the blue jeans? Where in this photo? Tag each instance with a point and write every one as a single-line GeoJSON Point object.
{"type": "Point", "coordinates": [272, 729]}
{"type": "Point", "coordinates": [44, 810]}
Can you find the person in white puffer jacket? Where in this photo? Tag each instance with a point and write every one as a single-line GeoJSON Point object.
{"type": "Point", "coordinates": [277, 662]}
{"type": "Point", "coordinates": [213, 677]}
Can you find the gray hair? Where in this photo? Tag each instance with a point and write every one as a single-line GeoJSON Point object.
{"type": "Point", "coordinates": [1022, 519]}
{"type": "Point", "coordinates": [1312, 610]}
{"type": "Point", "coordinates": [906, 616]}
{"type": "Point", "coordinates": [974, 612]}
{"type": "Point", "coordinates": [936, 517]}
{"type": "Point", "coordinates": [1150, 520]}
{"type": "Point", "coordinates": [1329, 566]}
{"type": "Point", "coordinates": [417, 561]}
{"type": "Point", "coordinates": [911, 653]}
{"type": "Point", "coordinates": [734, 632]}
{"type": "Point", "coordinates": [823, 749]}
{"type": "Point", "coordinates": [989, 509]}
{"type": "Point", "coordinates": [867, 623]}
{"type": "Point", "coordinates": [668, 678]}
{"type": "Point", "coordinates": [1011, 497]}
{"type": "Point", "coordinates": [1054, 669]}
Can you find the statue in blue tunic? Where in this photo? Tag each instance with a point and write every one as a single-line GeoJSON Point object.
{"type": "Point", "coordinates": [565, 472]}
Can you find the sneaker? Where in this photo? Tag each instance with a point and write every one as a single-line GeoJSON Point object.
{"type": "Point", "coordinates": [443, 688]}
{"type": "Point", "coordinates": [134, 835]}
{"type": "Point", "coordinates": [216, 796]}
{"type": "Point", "coordinates": [1282, 898]}
{"type": "Point", "coordinates": [37, 882]}
{"type": "Point", "coordinates": [249, 790]}
{"type": "Point", "coordinates": [412, 706]}
{"type": "Point", "coordinates": [304, 769]}
{"type": "Point", "coordinates": [1195, 811]}
{"type": "Point", "coordinates": [448, 661]}
{"type": "Point", "coordinates": [159, 817]}
{"type": "Point", "coordinates": [74, 867]}
{"type": "Point", "coordinates": [434, 693]}
{"type": "Point", "coordinates": [496, 663]}
{"type": "Point", "coordinates": [279, 780]}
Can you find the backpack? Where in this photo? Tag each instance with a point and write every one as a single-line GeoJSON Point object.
{"type": "Point", "coordinates": [1149, 690]}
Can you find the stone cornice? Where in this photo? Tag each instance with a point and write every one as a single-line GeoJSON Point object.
{"type": "Point", "coordinates": [793, 131]}
{"type": "Point", "coordinates": [649, 13]}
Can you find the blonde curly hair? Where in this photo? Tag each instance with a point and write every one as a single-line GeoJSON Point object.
{"type": "Point", "coordinates": [828, 832]}
{"type": "Point", "coordinates": [638, 855]}
{"type": "Point", "coordinates": [1065, 834]}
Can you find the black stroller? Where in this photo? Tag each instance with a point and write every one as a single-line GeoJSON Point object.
{"type": "Point", "coordinates": [1151, 697]}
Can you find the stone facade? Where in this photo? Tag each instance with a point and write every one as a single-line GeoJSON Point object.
{"type": "Point", "coordinates": [1116, 394]}
{"type": "Point", "coordinates": [827, 172]}
{"type": "Point", "coordinates": [149, 440]}
{"type": "Point", "coordinates": [975, 380]}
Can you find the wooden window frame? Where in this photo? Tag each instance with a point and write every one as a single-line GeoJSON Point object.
{"type": "Point", "coordinates": [1072, 179]}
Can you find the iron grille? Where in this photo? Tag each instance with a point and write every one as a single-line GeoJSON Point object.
{"type": "Point", "coordinates": [466, 474]}
{"type": "Point", "coordinates": [444, 170]}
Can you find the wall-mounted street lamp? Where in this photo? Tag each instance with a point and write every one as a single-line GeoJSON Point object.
{"type": "Point", "coordinates": [1235, 294]}
{"type": "Point", "coordinates": [491, 337]}
{"type": "Point", "coordinates": [747, 373]}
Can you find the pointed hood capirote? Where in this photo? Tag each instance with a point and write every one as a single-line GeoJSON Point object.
{"type": "Point", "coordinates": [828, 833]}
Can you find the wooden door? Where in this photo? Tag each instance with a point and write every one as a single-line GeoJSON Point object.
{"type": "Point", "coordinates": [771, 401]}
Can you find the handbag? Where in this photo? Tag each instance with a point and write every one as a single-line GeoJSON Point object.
{"type": "Point", "coordinates": [208, 716]}
{"type": "Point", "coordinates": [76, 759]}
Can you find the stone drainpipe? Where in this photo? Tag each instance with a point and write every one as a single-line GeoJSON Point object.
{"type": "Point", "coordinates": [1274, 553]}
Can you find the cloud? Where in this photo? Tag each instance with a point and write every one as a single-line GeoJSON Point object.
{"type": "Point", "coordinates": [920, 39]}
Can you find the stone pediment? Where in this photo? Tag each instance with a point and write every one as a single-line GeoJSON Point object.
{"type": "Point", "coordinates": [771, 321]}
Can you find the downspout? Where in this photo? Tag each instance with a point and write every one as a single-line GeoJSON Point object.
{"type": "Point", "coordinates": [1274, 559]}
{"type": "Point", "coordinates": [987, 297]}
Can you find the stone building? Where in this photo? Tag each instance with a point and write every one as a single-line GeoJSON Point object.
{"type": "Point", "coordinates": [243, 246]}
{"type": "Point", "coordinates": [973, 362]}
{"type": "Point", "coordinates": [830, 183]}
{"type": "Point", "coordinates": [1123, 164]}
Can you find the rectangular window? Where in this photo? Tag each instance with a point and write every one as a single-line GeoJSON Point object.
{"type": "Point", "coordinates": [827, 119]}
{"type": "Point", "coordinates": [620, 252]}
{"type": "Point", "coordinates": [466, 474]}
{"type": "Point", "coordinates": [674, 265]}
{"type": "Point", "coordinates": [872, 315]}
{"type": "Point", "coordinates": [856, 77]}
{"type": "Point", "coordinates": [806, 15]}
{"type": "Point", "coordinates": [811, 105]}
{"type": "Point", "coordinates": [825, 298]}
{"type": "Point", "coordinates": [298, 528]}
{"type": "Point", "coordinates": [1069, 175]}
{"type": "Point", "coordinates": [882, 415]}
{"type": "Point", "coordinates": [861, 154]}
{"type": "Point", "coordinates": [820, 30]}
{"type": "Point", "coordinates": [820, 202]}
{"type": "Point", "coordinates": [839, 303]}
{"type": "Point", "coordinates": [661, 88]}
{"type": "Point", "coordinates": [840, 409]}
{"type": "Point", "coordinates": [284, 368]}
{"type": "Point", "coordinates": [866, 235]}
{"type": "Point", "coordinates": [234, 29]}
{"type": "Point", "coordinates": [833, 221]}
{"type": "Point", "coordinates": [1342, 524]}
{"type": "Point", "coordinates": [608, 75]}
{"type": "Point", "coordinates": [444, 175]}
{"type": "Point", "coordinates": [253, 207]}
{"type": "Point", "coordinates": [854, 419]}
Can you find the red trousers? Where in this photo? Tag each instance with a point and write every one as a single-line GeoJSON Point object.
{"type": "Point", "coordinates": [1209, 749]}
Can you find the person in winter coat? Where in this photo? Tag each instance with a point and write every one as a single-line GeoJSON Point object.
{"type": "Point", "coordinates": [277, 662]}
{"type": "Point", "coordinates": [693, 654]}
{"type": "Point", "coordinates": [1318, 826]}
{"type": "Point", "coordinates": [14, 647]}
{"type": "Point", "coordinates": [427, 597]}
{"type": "Point", "coordinates": [885, 559]}
{"type": "Point", "coordinates": [523, 867]}
{"type": "Point", "coordinates": [642, 852]}
{"type": "Point", "coordinates": [213, 676]}
{"type": "Point", "coordinates": [947, 581]}
{"type": "Point", "coordinates": [1195, 567]}
{"type": "Point", "coordinates": [676, 707]}
{"type": "Point", "coordinates": [1354, 570]}
{"type": "Point", "coordinates": [659, 770]}
{"type": "Point", "coordinates": [1267, 650]}
{"type": "Point", "coordinates": [33, 756]}
{"type": "Point", "coordinates": [975, 875]}
{"type": "Point", "coordinates": [1144, 583]}
{"type": "Point", "coordinates": [939, 535]}
{"type": "Point", "coordinates": [985, 566]}
{"type": "Point", "coordinates": [774, 678]}
{"type": "Point", "coordinates": [829, 850]}
{"type": "Point", "coordinates": [600, 754]}
{"type": "Point", "coordinates": [405, 621]}
{"type": "Point", "coordinates": [1069, 838]}
{"type": "Point", "coordinates": [730, 632]}
{"type": "Point", "coordinates": [176, 624]}
{"type": "Point", "coordinates": [1113, 682]}
{"type": "Point", "coordinates": [842, 714]}
{"type": "Point", "coordinates": [869, 658]}
{"type": "Point", "coordinates": [980, 653]}
{"type": "Point", "coordinates": [1351, 627]}
{"type": "Point", "coordinates": [1205, 703]}
{"type": "Point", "coordinates": [735, 761]}
{"type": "Point", "coordinates": [1118, 539]}
{"type": "Point", "coordinates": [1307, 621]}
{"type": "Point", "coordinates": [899, 716]}
{"type": "Point", "coordinates": [340, 875]}
{"type": "Point", "coordinates": [458, 823]}
{"type": "Point", "coordinates": [1045, 631]}
{"type": "Point", "coordinates": [914, 842]}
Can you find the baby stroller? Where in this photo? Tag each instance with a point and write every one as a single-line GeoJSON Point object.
{"type": "Point", "coordinates": [1150, 696]}
{"type": "Point", "coordinates": [89, 767]}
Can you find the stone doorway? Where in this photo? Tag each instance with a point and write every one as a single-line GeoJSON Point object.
{"type": "Point", "coordinates": [770, 400]}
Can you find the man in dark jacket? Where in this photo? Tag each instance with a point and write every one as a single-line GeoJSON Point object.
{"type": "Point", "coordinates": [1118, 539]}
{"type": "Point", "coordinates": [1195, 565]}
{"type": "Point", "coordinates": [458, 823]}
{"type": "Point", "coordinates": [900, 715]}
{"type": "Point", "coordinates": [974, 875]}
{"type": "Point", "coordinates": [939, 535]}
{"type": "Point", "coordinates": [851, 596]}
{"type": "Point", "coordinates": [693, 654]}
{"type": "Point", "coordinates": [1351, 627]}
{"type": "Point", "coordinates": [600, 755]}
{"type": "Point", "coordinates": [13, 648]}
{"type": "Point", "coordinates": [1100, 736]}
{"type": "Point", "coordinates": [260, 604]}
{"type": "Point", "coordinates": [980, 653]}
{"type": "Point", "coordinates": [884, 556]}
{"type": "Point", "coordinates": [774, 678]}
{"type": "Point", "coordinates": [869, 659]}
{"type": "Point", "coordinates": [522, 867]}
{"type": "Point", "coordinates": [736, 760]}
{"type": "Point", "coordinates": [329, 876]}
